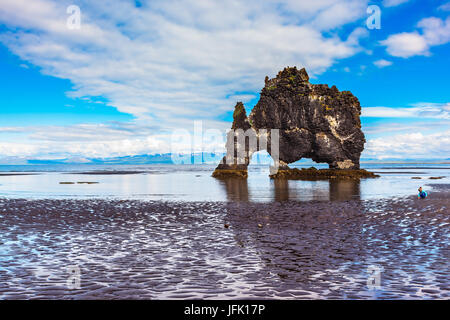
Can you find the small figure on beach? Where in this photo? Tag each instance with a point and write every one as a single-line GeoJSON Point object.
{"type": "Point", "coordinates": [422, 194]}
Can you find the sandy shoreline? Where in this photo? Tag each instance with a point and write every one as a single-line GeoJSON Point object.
{"type": "Point", "coordinates": [179, 250]}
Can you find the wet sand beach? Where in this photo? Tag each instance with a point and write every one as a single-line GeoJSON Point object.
{"type": "Point", "coordinates": [127, 249]}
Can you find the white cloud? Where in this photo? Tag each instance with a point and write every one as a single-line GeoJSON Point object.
{"type": "Point", "coordinates": [434, 31]}
{"type": "Point", "coordinates": [113, 139]}
{"type": "Point", "coordinates": [389, 128]}
{"type": "Point", "coordinates": [382, 63]}
{"type": "Point", "coordinates": [11, 129]}
{"type": "Point", "coordinates": [410, 145]}
{"type": "Point", "coordinates": [421, 131]}
{"type": "Point", "coordinates": [445, 7]}
{"type": "Point", "coordinates": [181, 59]}
{"type": "Point", "coordinates": [406, 45]}
{"type": "Point", "coordinates": [418, 110]}
{"type": "Point", "coordinates": [93, 146]}
{"type": "Point", "coordinates": [393, 3]}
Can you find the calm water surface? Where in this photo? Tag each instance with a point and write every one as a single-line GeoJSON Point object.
{"type": "Point", "coordinates": [194, 183]}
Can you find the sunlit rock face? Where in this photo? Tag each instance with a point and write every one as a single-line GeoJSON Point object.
{"type": "Point", "coordinates": [314, 121]}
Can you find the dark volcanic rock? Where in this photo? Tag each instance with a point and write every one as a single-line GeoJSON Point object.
{"type": "Point", "coordinates": [240, 120]}
{"type": "Point", "coordinates": [314, 121]}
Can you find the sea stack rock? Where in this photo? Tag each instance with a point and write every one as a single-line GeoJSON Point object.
{"type": "Point", "coordinates": [314, 121]}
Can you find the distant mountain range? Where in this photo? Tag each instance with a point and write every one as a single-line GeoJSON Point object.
{"type": "Point", "coordinates": [138, 159]}
{"type": "Point", "coordinates": [187, 158]}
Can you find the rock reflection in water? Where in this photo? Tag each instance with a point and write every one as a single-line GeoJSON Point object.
{"type": "Point", "coordinates": [237, 189]}
{"type": "Point", "coordinates": [343, 190]}
{"type": "Point", "coordinates": [284, 190]}
{"type": "Point", "coordinates": [281, 190]}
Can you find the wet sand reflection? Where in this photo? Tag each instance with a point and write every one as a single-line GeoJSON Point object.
{"type": "Point", "coordinates": [304, 249]}
{"type": "Point", "coordinates": [181, 250]}
{"type": "Point", "coordinates": [324, 249]}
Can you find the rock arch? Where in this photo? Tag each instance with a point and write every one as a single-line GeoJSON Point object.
{"type": "Point", "coordinates": [312, 121]}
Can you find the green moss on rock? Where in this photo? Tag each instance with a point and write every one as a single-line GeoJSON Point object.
{"type": "Point", "coordinates": [230, 173]}
{"type": "Point", "coordinates": [238, 110]}
{"type": "Point", "coordinates": [322, 174]}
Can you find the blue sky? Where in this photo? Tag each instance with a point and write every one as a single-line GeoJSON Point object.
{"type": "Point", "coordinates": [133, 73]}
{"type": "Point", "coordinates": [27, 94]}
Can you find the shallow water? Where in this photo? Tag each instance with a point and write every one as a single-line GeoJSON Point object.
{"type": "Point", "coordinates": [194, 183]}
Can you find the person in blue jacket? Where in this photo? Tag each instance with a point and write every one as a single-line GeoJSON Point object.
{"type": "Point", "coordinates": [422, 194]}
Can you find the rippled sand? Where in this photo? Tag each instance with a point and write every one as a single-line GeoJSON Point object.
{"type": "Point", "coordinates": [179, 250]}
